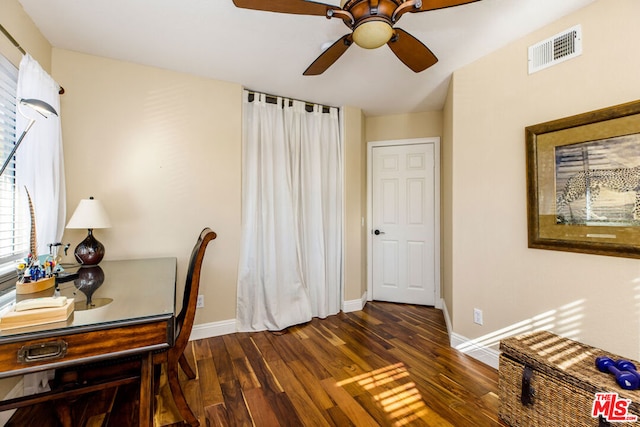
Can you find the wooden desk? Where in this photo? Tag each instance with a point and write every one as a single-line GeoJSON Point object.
{"type": "Point", "coordinates": [134, 315]}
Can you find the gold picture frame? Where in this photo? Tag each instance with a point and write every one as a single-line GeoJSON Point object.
{"type": "Point", "coordinates": [583, 182]}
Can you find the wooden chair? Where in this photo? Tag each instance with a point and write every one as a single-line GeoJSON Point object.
{"type": "Point", "coordinates": [129, 368]}
{"type": "Point", "coordinates": [174, 356]}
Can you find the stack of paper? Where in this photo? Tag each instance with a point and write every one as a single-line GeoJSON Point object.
{"type": "Point", "coordinates": [37, 311]}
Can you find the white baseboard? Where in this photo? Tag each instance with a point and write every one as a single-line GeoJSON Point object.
{"type": "Point", "coordinates": [224, 327]}
{"type": "Point", "coordinates": [213, 329]}
{"type": "Point", "coordinates": [354, 305]}
{"type": "Point", "coordinates": [484, 354]}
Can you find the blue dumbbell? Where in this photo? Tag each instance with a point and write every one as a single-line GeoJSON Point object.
{"type": "Point", "coordinates": [626, 380]}
{"type": "Point", "coordinates": [625, 365]}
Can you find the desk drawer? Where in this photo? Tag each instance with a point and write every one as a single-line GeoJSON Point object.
{"type": "Point", "coordinates": [23, 356]}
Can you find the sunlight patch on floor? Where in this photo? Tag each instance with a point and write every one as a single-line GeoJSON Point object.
{"type": "Point", "coordinates": [392, 388]}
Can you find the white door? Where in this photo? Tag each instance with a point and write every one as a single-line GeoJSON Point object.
{"type": "Point", "coordinates": [403, 209]}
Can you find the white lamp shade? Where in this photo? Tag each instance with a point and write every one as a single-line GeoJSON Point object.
{"type": "Point", "coordinates": [89, 214]}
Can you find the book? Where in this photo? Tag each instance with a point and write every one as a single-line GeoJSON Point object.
{"type": "Point", "coordinates": [13, 319]}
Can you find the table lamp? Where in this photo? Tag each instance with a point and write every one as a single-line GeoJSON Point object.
{"type": "Point", "coordinates": [45, 111]}
{"type": "Point", "coordinates": [89, 214]}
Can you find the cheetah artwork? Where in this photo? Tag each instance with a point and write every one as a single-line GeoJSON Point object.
{"type": "Point", "coordinates": [598, 182]}
{"type": "Point", "coordinates": [588, 185]}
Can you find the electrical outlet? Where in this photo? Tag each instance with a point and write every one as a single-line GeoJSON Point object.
{"type": "Point", "coordinates": [477, 316]}
{"type": "Point", "coordinates": [200, 302]}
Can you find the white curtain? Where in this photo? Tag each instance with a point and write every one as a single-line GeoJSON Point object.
{"type": "Point", "coordinates": [39, 159]}
{"type": "Point", "coordinates": [291, 256]}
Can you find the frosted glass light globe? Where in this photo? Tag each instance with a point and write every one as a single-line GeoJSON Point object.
{"type": "Point", "coordinates": [372, 34]}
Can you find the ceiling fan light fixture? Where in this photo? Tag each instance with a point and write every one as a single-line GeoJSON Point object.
{"type": "Point", "coordinates": [372, 34]}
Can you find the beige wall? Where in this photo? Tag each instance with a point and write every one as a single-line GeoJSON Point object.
{"type": "Point", "coordinates": [355, 273]}
{"type": "Point", "coordinates": [587, 297]}
{"type": "Point", "coordinates": [446, 203]}
{"type": "Point", "coordinates": [162, 151]}
{"type": "Point", "coordinates": [403, 126]}
{"type": "Point", "coordinates": [19, 25]}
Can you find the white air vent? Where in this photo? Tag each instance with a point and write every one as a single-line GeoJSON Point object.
{"type": "Point", "coordinates": [555, 49]}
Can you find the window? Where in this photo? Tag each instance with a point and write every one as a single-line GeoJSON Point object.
{"type": "Point", "coordinates": [14, 218]}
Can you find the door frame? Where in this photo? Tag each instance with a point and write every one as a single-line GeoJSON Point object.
{"type": "Point", "coordinates": [436, 206]}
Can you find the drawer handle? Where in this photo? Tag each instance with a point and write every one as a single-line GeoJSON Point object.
{"type": "Point", "coordinates": [42, 351]}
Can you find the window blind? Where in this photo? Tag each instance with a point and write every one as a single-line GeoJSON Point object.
{"type": "Point", "coordinates": [14, 218]}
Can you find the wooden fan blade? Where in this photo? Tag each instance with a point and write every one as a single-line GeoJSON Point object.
{"type": "Point", "coordinates": [298, 7]}
{"type": "Point", "coordinates": [440, 4]}
{"type": "Point", "coordinates": [329, 56]}
{"type": "Point", "coordinates": [411, 51]}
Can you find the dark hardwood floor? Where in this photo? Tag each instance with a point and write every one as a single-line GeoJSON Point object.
{"type": "Point", "coordinates": [388, 365]}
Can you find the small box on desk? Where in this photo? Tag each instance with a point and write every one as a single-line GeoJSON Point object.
{"type": "Point", "coordinates": [547, 380]}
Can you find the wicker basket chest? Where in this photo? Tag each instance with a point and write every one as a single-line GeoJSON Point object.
{"type": "Point", "coordinates": [547, 380]}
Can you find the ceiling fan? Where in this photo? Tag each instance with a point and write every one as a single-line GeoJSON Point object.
{"type": "Point", "coordinates": [371, 23]}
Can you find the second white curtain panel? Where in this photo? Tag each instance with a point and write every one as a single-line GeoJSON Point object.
{"type": "Point", "coordinates": [291, 257]}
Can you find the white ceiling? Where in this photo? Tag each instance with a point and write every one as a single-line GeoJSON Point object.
{"type": "Point", "coordinates": [268, 52]}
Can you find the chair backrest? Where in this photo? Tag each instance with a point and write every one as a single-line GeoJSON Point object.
{"type": "Point", "coordinates": [184, 319]}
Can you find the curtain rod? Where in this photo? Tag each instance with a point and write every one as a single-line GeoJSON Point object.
{"type": "Point", "coordinates": [274, 97]}
{"type": "Point", "coordinates": [17, 45]}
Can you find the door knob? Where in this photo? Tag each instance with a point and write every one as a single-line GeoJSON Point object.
{"type": "Point", "coordinates": [377, 232]}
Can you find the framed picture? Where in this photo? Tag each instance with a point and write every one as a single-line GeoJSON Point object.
{"type": "Point", "coordinates": [583, 182]}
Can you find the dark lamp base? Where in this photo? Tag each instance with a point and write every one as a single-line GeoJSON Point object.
{"type": "Point", "coordinates": [89, 252]}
